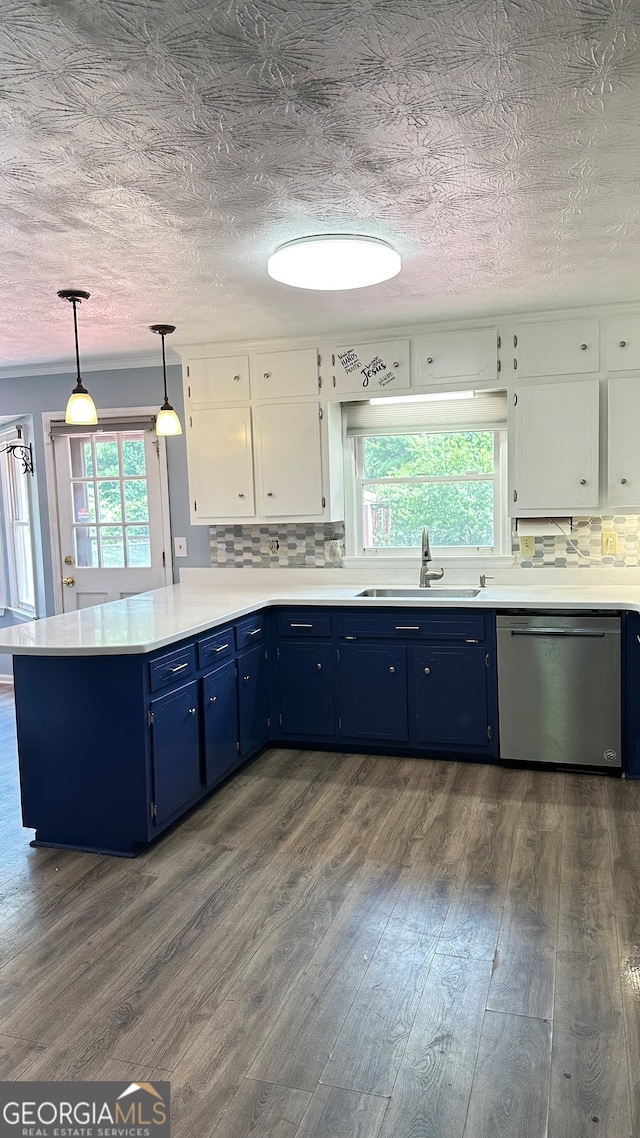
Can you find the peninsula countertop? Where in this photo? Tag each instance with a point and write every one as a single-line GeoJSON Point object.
{"type": "Point", "coordinates": [209, 598]}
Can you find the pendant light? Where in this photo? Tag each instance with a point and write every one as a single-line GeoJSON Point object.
{"type": "Point", "coordinates": [167, 422]}
{"type": "Point", "coordinates": [81, 409]}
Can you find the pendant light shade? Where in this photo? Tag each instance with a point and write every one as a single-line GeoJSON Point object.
{"type": "Point", "coordinates": [167, 422]}
{"type": "Point", "coordinates": [81, 410]}
{"type": "Point", "coordinates": [334, 261]}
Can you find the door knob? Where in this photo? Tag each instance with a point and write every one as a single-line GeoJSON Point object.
{"type": "Point", "coordinates": [319, 667]}
{"type": "Point", "coordinates": [68, 581]}
{"type": "Point", "coordinates": [427, 671]}
{"type": "Point", "coordinates": [68, 559]}
{"type": "Point", "coordinates": [392, 670]}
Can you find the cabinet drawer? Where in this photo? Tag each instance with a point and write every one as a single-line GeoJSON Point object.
{"type": "Point", "coordinates": [215, 648]}
{"type": "Point", "coordinates": [304, 623]}
{"type": "Point", "coordinates": [412, 624]}
{"type": "Point", "coordinates": [250, 631]}
{"type": "Point", "coordinates": [175, 665]}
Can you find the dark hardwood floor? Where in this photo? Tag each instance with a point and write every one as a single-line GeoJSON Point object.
{"type": "Point", "coordinates": [343, 945]}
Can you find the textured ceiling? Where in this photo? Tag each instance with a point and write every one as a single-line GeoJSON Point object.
{"type": "Point", "coordinates": [156, 152]}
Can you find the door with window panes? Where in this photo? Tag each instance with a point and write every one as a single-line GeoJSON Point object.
{"type": "Point", "coordinates": [110, 515]}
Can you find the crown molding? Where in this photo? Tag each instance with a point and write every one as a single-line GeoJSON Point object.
{"type": "Point", "coordinates": [89, 364]}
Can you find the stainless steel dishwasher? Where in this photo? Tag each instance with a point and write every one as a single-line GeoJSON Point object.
{"type": "Point", "coordinates": [559, 690]}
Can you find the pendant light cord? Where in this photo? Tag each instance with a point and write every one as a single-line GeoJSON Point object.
{"type": "Point", "coordinates": [164, 370]}
{"type": "Point", "coordinates": [75, 329]}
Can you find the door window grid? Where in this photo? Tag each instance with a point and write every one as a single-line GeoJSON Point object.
{"type": "Point", "coordinates": [109, 500]}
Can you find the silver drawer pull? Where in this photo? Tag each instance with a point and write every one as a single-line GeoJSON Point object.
{"type": "Point", "coordinates": [192, 711]}
{"type": "Point", "coordinates": [392, 670]}
{"type": "Point", "coordinates": [319, 667]}
{"type": "Point", "coordinates": [350, 637]}
{"type": "Point", "coordinates": [255, 631]}
{"type": "Point", "coordinates": [301, 626]}
{"type": "Point", "coordinates": [180, 668]}
{"type": "Point", "coordinates": [427, 671]}
{"type": "Point", "coordinates": [407, 627]}
{"type": "Point", "coordinates": [221, 648]}
{"type": "Point", "coordinates": [471, 641]}
{"type": "Point", "coordinates": [213, 698]}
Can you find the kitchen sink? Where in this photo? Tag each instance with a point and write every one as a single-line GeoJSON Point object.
{"type": "Point", "coordinates": [433, 592]}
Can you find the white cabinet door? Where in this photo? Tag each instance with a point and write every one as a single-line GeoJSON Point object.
{"type": "Point", "coordinates": [219, 379]}
{"type": "Point", "coordinates": [565, 348]}
{"type": "Point", "coordinates": [220, 463]}
{"type": "Point", "coordinates": [367, 370]}
{"type": "Point", "coordinates": [282, 375]}
{"type": "Point", "coordinates": [288, 460]}
{"type": "Point", "coordinates": [556, 448]}
{"type": "Point", "coordinates": [623, 461]}
{"type": "Point", "coordinates": [623, 344]}
{"type": "Point", "coordinates": [446, 356]}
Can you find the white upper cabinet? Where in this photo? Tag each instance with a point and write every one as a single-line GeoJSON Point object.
{"type": "Point", "coordinates": [288, 459]}
{"type": "Point", "coordinates": [216, 379]}
{"type": "Point", "coordinates": [220, 463]}
{"type": "Point", "coordinates": [446, 356]}
{"type": "Point", "coordinates": [555, 465]}
{"type": "Point", "coordinates": [623, 473]}
{"type": "Point", "coordinates": [368, 370]}
{"type": "Point", "coordinates": [284, 375]}
{"type": "Point", "coordinates": [623, 344]}
{"type": "Point", "coordinates": [565, 348]}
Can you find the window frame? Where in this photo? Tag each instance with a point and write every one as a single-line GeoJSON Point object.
{"type": "Point", "coordinates": [11, 579]}
{"type": "Point", "coordinates": [354, 483]}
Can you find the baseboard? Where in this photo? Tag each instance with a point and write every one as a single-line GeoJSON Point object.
{"type": "Point", "coordinates": [6, 678]}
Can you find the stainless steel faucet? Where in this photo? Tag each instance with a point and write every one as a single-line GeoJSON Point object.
{"type": "Point", "coordinates": [426, 576]}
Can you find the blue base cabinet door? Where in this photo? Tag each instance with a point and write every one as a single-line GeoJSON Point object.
{"type": "Point", "coordinates": [175, 737]}
{"type": "Point", "coordinates": [253, 700]}
{"type": "Point", "coordinates": [450, 694]}
{"type": "Point", "coordinates": [220, 722]}
{"type": "Point", "coordinates": [305, 673]}
{"type": "Point", "coordinates": [373, 691]}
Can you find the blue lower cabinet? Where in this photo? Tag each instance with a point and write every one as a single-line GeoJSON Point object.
{"type": "Point", "coordinates": [450, 696]}
{"type": "Point", "coordinates": [253, 700]}
{"type": "Point", "coordinates": [305, 675]}
{"type": "Point", "coordinates": [372, 682]}
{"type": "Point", "coordinates": [220, 722]}
{"type": "Point", "coordinates": [175, 737]}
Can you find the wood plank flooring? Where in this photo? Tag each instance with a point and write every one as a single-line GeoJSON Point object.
{"type": "Point", "coordinates": [343, 946]}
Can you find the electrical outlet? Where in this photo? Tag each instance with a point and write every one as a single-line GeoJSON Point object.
{"type": "Point", "coordinates": [332, 550]}
{"type": "Point", "coordinates": [527, 546]}
{"type": "Point", "coordinates": [609, 543]}
{"type": "Point", "coordinates": [274, 546]}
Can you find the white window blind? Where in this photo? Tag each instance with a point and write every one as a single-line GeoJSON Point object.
{"type": "Point", "coordinates": [486, 411]}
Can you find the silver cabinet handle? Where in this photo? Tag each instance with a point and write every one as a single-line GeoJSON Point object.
{"type": "Point", "coordinates": [266, 375]}
{"type": "Point", "coordinates": [319, 667]}
{"type": "Point", "coordinates": [269, 493]}
{"type": "Point", "coordinates": [241, 495]}
{"type": "Point", "coordinates": [236, 379]}
{"type": "Point", "coordinates": [407, 627]}
{"type": "Point", "coordinates": [427, 671]}
{"type": "Point", "coordinates": [623, 343]}
{"type": "Point", "coordinates": [255, 631]}
{"type": "Point", "coordinates": [392, 670]}
{"type": "Point", "coordinates": [583, 482]}
{"type": "Point", "coordinates": [221, 648]}
{"type": "Point", "coordinates": [623, 481]}
{"type": "Point", "coordinates": [583, 347]}
{"type": "Point", "coordinates": [180, 668]}
{"type": "Point", "coordinates": [429, 359]}
{"type": "Point", "coordinates": [300, 625]}
{"type": "Point", "coordinates": [396, 363]}
{"type": "Point", "coordinates": [213, 699]}
{"type": "Point", "coordinates": [192, 711]}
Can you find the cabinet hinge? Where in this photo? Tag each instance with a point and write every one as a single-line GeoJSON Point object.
{"type": "Point", "coordinates": [277, 653]}
{"type": "Point", "coordinates": [280, 719]}
{"type": "Point", "coordinates": [324, 502]}
{"type": "Point", "coordinates": [188, 372]}
{"type": "Point", "coordinates": [334, 380]}
{"type": "Point", "coordinates": [338, 655]}
{"type": "Point", "coordinates": [488, 732]}
{"type": "Point", "coordinates": [266, 654]}
{"type": "Point", "coordinates": [340, 724]}
{"type": "Point", "coordinates": [320, 413]}
{"type": "Point", "coordinates": [333, 364]}
{"type": "Point", "coordinates": [515, 364]}
{"type": "Point", "coordinates": [189, 392]}
{"type": "Point", "coordinates": [319, 360]}
{"type": "Point", "coordinates": [154, 810]}
{"type": "Point", "coordinates": [515, 400]}
{"type": "Point", "coordinates": [486, 660]}
{"type": "Point", "coordinates": [237, 744]}
{"type": "Point", "coordinates": [499, 341]}
{"type": "Point", "coordinates": [319, 383]}
{"type": "Point", "coordinates": [515, 495]}
{"type": "Point", "coordinates": [164, 559]}
{"type": "Point", "coordinates": [190, 420]}
{"type": "Point", "coordinates": [235, 671]}
{"type": "Point", "coordinates": [499, 365]}
{"type": "Point", "coordinates": [515, 341]}
{"type": "Point", "coordinates": [195, 505]}
{"type": "Point", "coordinates": [150, 718]}
{"type": "Point", "coordinates": [269, 721]}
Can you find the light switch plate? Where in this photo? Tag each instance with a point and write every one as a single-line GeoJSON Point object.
{"type": "Point", "coordinates": [609, 543]}
{"type": "Point", "coordinates": [179, 547]}
{"type": "Point", "coordinates": [527, 546]}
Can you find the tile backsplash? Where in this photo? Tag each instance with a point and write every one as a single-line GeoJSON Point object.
{"type": "Point", "coordinates": [583, 547]}
{"type": "Point", "coordinates": [299, 546]}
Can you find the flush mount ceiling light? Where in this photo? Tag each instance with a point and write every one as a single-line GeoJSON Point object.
{"type": "Point", "coordinates": [334, 261]}
{"type": "Point", "coordinates": [80, 406]}
{"type": "Point", "coordinates": [167, 422]}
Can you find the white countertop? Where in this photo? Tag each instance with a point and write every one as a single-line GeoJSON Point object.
{"type": "Point", "coordinates": [211, 597]}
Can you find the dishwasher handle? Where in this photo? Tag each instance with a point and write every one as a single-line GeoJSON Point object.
{"type": "Point", "coordinates": [558, 632]}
